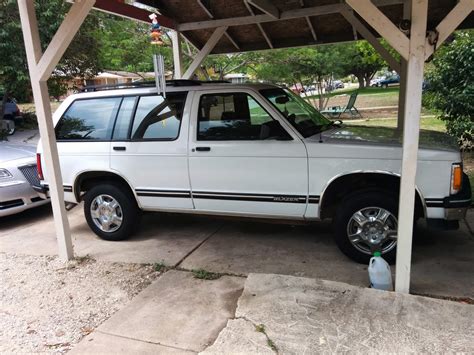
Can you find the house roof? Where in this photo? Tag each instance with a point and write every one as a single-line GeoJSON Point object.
{"type": "Point", "coordinates": [300, 22]}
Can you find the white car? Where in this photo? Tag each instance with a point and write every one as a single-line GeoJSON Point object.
{"type": "Point", "coordinates": [245, 150]}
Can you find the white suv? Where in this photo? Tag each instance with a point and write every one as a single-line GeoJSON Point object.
{"type": "Point", "coordinates": [245, 150]}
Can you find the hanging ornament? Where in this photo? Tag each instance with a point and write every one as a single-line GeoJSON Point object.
{"type": "Point", "coordinates": [155, 31]}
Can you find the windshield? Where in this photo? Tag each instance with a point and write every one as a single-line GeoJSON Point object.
{"type": "Point", "coordinates": [304, 117]}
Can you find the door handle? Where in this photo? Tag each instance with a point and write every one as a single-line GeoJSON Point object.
{"type": "Point", "coordinates": [203, 149]}
{"type": "Point", "coordinates": [120, 148]}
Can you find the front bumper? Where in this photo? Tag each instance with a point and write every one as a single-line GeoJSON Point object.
{"type": "Point", "coordinates": [451, 208]}
{"type": "Point", "coordinates": [456, 206]}
{"type": "Point", "coordinates": [18, 196]}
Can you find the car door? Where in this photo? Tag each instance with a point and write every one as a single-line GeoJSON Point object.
{"type": "Point", "coordinates": [149, 149]}
{"type": "Point", "coordinates": [242, 160]}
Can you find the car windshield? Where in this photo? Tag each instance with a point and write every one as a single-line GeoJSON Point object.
{"type": "Point", "coordinates": [304, 117]}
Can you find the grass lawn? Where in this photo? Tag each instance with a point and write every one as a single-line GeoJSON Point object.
{"type": "Point", "coordinates": [368, 97]}
{"type": "Point", "coordinates": [427, 122]}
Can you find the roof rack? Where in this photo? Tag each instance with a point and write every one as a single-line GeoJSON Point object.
{"type": "Point", "coordinates": [141, 84]}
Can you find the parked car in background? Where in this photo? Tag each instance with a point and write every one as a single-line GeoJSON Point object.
{"type": "Point", "coordinates": [375, 82]}
{"type": "Point", "coordinates": [250, 151]}
{"type": "Point", "coordinates": [391, 80]}
{"type": "Point", "coordinates": [18, 176]}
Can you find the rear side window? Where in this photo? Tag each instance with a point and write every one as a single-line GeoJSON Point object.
{"type": "Point", "coordinates": [157, 118]}
{"type": "Point", "coordinates": [90, 119]}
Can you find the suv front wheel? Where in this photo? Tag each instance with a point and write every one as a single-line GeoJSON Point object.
{"type": "Point", "coordinates": [110, 211]}
{"type": "Point", "coordinates": [366, 222]}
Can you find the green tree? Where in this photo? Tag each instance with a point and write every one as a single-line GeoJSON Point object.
{"type": "Point", "coordinates": [451, 87]}
{"type": "Point", "coordinates": [361, 60]}
{"type": "Point", "coordinates": [80, 58]}
{"type": "Point", "coordinates": [125, 45]}
{"type": "Point", "coordinates": [303, 66]}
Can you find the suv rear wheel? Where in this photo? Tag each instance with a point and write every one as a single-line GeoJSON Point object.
{"type": "Point", "coordinates": [366, 222]}
{"type": "Point", "coordinates": [110, 211]}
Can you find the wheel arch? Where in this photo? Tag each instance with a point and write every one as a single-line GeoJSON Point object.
{"type": "Point", "coordinates": [346, 183]}
{"type": "Point", "coordinates": [85, 179]}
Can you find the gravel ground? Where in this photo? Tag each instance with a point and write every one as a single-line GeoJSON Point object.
{"type": "Point", "coordinates": [48, 306]}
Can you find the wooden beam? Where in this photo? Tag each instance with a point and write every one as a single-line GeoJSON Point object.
{"type": "Point", "coordinates": [177, 54]}
{"type": "Point", "coordinates": [411, 132]}
{"type": "Point", "coordinates": [266, 7]}
{"type": "Point", "coordinates": [132, 12]}
{"type": "Point", "coordinates": [206, 10]}
{"type": "Point", "coordinates": [208, 47]}
{"type": "Point", "coordinates": [29, 26]}
{"type": "Point", "coordinates": [364, 31]}
{"type": "Point", "coordinates": [449, 24]}
{"type": "Point", "coordinates": [63, 37]}
{"type": "Point", "coordinates": [386, 28]}
{"type": "Point", "coordinates": [285, 15]}
{"type": "Point", "coordinates": [260, 27]}
{"type": "Point", "coordinates": [310, 25]}
{"type": "Point", "coordinates": [403, 76]}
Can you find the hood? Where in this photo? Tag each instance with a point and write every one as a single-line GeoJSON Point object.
{"type": "Point", "coordinates": [387, 136]}
{"type": "Point", "coordinates": [9, 151]}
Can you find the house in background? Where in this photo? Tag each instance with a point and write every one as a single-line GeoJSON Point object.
{"type": "Point", "coordinates": [237, 78]}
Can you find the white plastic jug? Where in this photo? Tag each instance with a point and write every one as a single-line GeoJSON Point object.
{"type": "Point", "coordinates": [379, 273]}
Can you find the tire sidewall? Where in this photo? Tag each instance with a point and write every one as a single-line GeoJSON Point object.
{"type": "Point", "coordinates": [127, 203]}
{"type": "Point", "coordinates": [353, 204]}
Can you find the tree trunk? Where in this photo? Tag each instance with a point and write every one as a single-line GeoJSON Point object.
{"type": "Point", "coordinates": [360, 79]}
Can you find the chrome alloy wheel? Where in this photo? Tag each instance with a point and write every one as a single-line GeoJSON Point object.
{"type": "Point", "coordinates": [373, 229]}
{"type": "Point", "coordinates": [106, 213]}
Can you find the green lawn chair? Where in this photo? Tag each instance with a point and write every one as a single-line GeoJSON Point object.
{"type": "Point", "coordinates": [339, 110]}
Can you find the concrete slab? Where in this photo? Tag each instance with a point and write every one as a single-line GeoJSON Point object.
{"type": "Point", "coordinates": [164, 238]}
{"type": "Point", "coordinates": [178, 311]}
{"type": "Point", "coordinates": [302, 315]}
{"type": "Point", "coordinates": [100, 343]}
{"type": "Point", "coordinates": [252, 247]}
{"type": "Point", "coordinates": [240, 336]}
{"type": "Point", "coordinates": [443, 262]}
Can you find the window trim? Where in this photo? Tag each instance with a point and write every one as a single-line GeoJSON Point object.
{"type": "Point", "coordinates": [114, 119]}
{"type": "Point", "coordinates": [132, 121]}
{"type": "Point", "coordinates": [216, 93]}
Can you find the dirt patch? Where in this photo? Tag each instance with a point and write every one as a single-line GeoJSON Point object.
{"type": "Point", "coordinates": [47, 305]}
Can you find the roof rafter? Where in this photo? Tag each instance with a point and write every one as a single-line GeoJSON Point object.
{"type": "Point", "coordinates": [266, 6]}
{"type": "Point", "coordinates": [260, 27]}
{"type": "Point", "coordinates": [285, 15]}
{"type": "Point", "coordinates": [310, 25]}
{"type": "Point", "coordinates": [211, 15]}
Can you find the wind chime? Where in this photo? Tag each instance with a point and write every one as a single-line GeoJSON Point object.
{"type": "Point", "coordinates": [158, 59]}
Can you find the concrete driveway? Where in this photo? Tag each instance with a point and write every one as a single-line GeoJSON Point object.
{"type": "Point", "coordinates": [443, 262]}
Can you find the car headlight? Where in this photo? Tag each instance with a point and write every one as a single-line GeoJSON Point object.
{"type": "Point", "coordinates": [5, 174]}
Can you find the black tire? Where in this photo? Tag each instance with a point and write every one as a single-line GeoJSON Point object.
{"type": "Point", "coordinates": [356, 202]}
{"type": "Point", "coordinates": [385, 86]}
{"type": "Point", "coordinates": [128, 206]}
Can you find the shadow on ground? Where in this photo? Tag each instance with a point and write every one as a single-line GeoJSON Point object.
{"type": "Point", "coordinates": [443, 262]}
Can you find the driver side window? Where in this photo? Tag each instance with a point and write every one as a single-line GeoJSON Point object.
{"type": "Point", "coordinates": [235, 116]}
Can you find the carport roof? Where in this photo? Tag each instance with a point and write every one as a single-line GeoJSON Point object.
{"type": "Point", "coordinates": [291, 23]}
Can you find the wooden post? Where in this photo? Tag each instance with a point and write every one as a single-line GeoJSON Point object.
{"type": "Point", "coordinates": [40, 67]}
{"type": "Point", "coordinates": [177, 54]}
{"type": "Point", "coordinates": [412, 112]}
